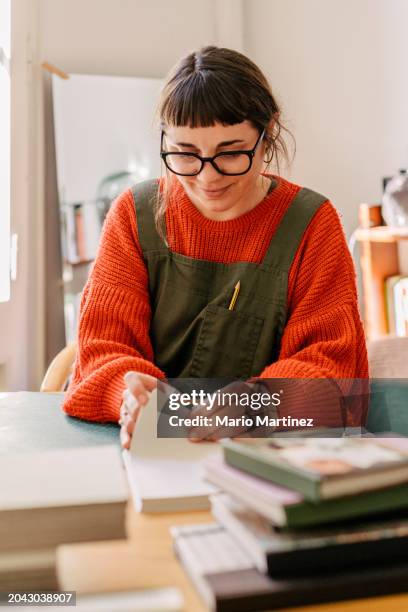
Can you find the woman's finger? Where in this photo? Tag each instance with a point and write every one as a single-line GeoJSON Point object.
{"type": "Point", "coordinates": [122, 412]}
{"type": "Point", "coordinates": [131, 403]}
{"type": "Point", "coordinates": [149, 382]}
{"type": "Point", "coordinates": [124, 405]}
{"type": "Point", "coordinates": [130, 425]}
{"type": "Point", "coordinates": [136, 395]}
{"type": "Point", "coordinates": [124, 438]}
{"type": "Point", "coordinates": [134, 383]}
{"type": "Point", "coordinates": [140, 385]}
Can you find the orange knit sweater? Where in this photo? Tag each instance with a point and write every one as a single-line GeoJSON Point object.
{"type": "Point", "coordinates": [323, 337]}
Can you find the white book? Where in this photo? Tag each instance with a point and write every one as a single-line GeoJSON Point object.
{"type": "Point", "coordinates": [166, 474]}
{"type": "Point", "coordinates": [58, 496]}
{"type": "Point", "coordinates": [167, 599]}
{"type": "Point", "coordinates": [401, 306]}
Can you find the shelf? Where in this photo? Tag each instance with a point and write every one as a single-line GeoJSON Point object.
{"type": "Point", "coordinates": [379, 259]}
{"type": "Point", "coordinates": [75, 276]}
{"type": "Point", "coordinates": [81, 262]}
{"type": "Point", "coordinates": [382, 233]}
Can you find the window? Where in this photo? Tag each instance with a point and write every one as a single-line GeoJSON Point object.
{"type": "Point", "coordinates": [5, 150]}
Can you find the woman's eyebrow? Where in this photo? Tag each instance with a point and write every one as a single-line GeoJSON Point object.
{"type": "Point", "coordinates": [225, 143]}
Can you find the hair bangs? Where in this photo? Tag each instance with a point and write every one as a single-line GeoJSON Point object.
{"type": "Point", "coordinates": [201, 100]}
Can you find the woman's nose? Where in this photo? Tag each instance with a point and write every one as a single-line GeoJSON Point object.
{"type": "Point", "coordinates": [208, 173]}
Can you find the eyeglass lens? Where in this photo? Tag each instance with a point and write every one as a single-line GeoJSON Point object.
{"type": "Point", "coordinates": [190, 165]}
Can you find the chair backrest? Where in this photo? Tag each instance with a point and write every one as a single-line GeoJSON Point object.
{"type": "Point", "coordinates": [388, 357]}
{"type": "Point", "coordinates": [388, 365]}
{"type": "Point", "coordinates": [59, 370]}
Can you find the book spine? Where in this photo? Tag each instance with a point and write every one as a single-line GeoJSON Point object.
{"type": "Point", "coordinates": [338, 557]}
{"type": "Point", "coordinates": [389, 287]}
{"type": "Point", "coordinates": [70, 240]}
{"type": "Point", "coordinates": [80, 232]}
{"type": "Point", "coordinates": [275, 473]}
{"type": "Point", "coordinates": [288, 593]}
{"type": "Point", "coordinates": [400, 293]}
{"type": "Point", "coordinates": [405, 305]}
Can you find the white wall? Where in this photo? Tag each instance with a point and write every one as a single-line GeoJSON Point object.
{"type": "Point", "coordinates": [123, 37]}
{"type": "Point", "coordinates": [339, 69]}
{"type": "Point", "coordinates": [116, 37]}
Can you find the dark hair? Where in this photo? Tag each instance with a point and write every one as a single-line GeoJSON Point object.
{"type": "Point", "coordinates": [219, 85]}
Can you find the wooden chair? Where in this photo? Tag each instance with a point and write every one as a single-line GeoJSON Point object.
{"type": "Point", "coordinates": [59, 370]}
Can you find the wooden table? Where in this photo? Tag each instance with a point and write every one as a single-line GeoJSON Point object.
{"type": "Point", "coordinates": [146, 558]}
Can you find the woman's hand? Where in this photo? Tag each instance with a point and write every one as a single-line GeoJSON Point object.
{"type": "Point", "coordinates": [136, 395]}
{"type": "Point", "coordinates": [229, 410]}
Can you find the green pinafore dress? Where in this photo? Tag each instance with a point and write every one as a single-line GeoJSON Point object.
{"type": "Point", "coordinates": [193, 332]}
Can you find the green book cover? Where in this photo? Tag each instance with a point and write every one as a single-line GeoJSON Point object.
{"type": "Point", "coordinates": [323, 468]}
{"type": "Point", "coordinates": [287, 508]}
{"type": "Point", "coordinates": [347, 508]}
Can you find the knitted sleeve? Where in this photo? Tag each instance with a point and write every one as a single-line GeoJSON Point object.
{"type": "Point", "coordinates": [323, 337]}
{"type": "Point", "coordinates": [114, 322]}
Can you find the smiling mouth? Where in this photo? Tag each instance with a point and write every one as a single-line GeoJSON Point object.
{"type": "Point", "coordinates": [215, 192]}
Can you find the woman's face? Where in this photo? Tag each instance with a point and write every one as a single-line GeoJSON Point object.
{"type": "Point", "coordinates": [216, 195]}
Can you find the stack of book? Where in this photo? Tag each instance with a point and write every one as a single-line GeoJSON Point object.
{"type": "Point", "coordinates": [55, 497]}
{"type": "Point", "coordinates": [82, 226]}
{"type": "Point", "coordinates": [301, 521]}
{"type": "Point", "coordinates": [396, 300]}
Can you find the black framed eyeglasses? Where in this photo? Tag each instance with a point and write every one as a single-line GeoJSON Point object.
{"type": "Point", "coordinates": [229, 163]}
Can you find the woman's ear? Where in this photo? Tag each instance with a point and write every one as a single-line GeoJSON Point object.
{"type": "Point", "coordinates": [271, 127]}
{"type": "Point", "coordinates": [270, 138]}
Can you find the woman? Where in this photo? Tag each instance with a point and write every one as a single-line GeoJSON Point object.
{"type": "Point", "coordinates": [231, 272]}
